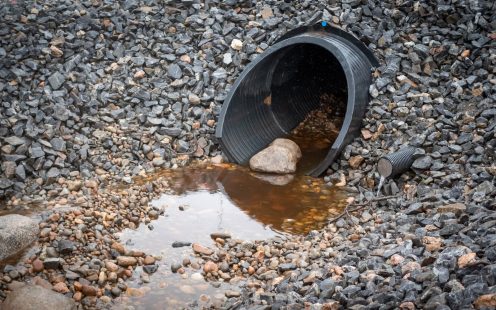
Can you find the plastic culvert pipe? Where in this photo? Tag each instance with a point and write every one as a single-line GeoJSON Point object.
{"type": "Point", "coordinates": [280, 87]}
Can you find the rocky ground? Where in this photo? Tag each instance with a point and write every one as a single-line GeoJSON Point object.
{"type": "Point", "coordinates": [95, 92]}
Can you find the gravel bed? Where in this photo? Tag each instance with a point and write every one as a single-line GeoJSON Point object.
{"type": "Point", "coordinates": [96, 92]}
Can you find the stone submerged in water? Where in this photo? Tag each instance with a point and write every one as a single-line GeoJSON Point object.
{"type": "Point", "coordinates": [16, 233]}
{"type": "Point", "coordinates": [280, 157]}
{"type": "Point", "coordinates": [200, 249]}
{"type": "Point", "coordinates": [180, 244]}
{"type": "Point", "coordinates": [34, 297]}
{"type": "Point", "coordinates": [278, 180]}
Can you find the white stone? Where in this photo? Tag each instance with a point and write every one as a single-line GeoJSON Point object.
{"type": "Point", "coordinates": [227, 58]}
{"type": "Point", "coordinates": [236, 44]}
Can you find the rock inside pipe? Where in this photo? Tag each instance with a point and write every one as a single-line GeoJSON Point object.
{"type": "Point", "coordinates": [396, 163]}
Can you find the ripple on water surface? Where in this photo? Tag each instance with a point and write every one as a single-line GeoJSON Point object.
{"type": "Point", "coordinates": [229, 199]}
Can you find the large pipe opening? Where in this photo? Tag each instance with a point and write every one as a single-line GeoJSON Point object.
{"type": "Point", "coordinates": [313, 80]}
{"type": "Point", "coordinates": [309, 95]}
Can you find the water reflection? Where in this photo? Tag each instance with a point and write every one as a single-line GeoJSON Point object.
{"type": "Point", "coordinates": [226, 198]}
{"type": "Point", "coordinates": [292, 204]}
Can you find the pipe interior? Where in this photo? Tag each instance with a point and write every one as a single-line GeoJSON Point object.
{"type": "Point", "coordinates": [286, 87]}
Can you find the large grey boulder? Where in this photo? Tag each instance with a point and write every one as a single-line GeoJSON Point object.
{"type": "Point", "coordinates": [289, 144]}
{"type": "Point", "coordinates": [34, 297]}
{"type": "Point", "coordinates": [280, 157]}
{"type": "Point", "coordinates": [16, 233]}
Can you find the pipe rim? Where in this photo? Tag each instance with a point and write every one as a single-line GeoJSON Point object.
{"type": "Point", "coordinates": [308, 35]}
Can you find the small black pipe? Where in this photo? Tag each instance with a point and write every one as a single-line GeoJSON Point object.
{"type": "Point", "coordinates": [396, 163]}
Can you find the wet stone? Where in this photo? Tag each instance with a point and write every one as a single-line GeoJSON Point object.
{"type": "Point", "coordinates": [37, 265]}
{"type": "Point", "coordinates": [66, 247]}
{"type": "Point", "coordinates": [230, 294]}
{"type": "Point", "coordinates": [175, 267]}
{"type": "Point", "coordinates": [52, 263]}
{"type": "Point", "coordinates": [150, 268]}
{"type": "Point", "coordinates": [126, 261]}
{"type": "Point", "coordinates": [200, 249]}
{"type": "Point", "coordinates": [179, 244]}
{"type": "Point", "coordinates": [220, 235]}
{"type": "Point", "coordinates": [5, 183]}
{"type": "Point", "coordinates": [278, 158]}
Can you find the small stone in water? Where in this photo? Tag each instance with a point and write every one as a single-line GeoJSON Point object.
{"type": "Point", "coordinates": [126, 261]}
{"type": "Point", "coordinates": [210, 267]}
{"type": "Point", "coordinates": [175, 267]}
{"type": "Point", "coordinates": [230, 294]}
{"type": "Point", "coordinates": [150, 268]}
{"type": "Point", "coordinates": [200, 249]}
{"type": "Point", "coordinates": [220, 235]}
{"type": "Point", "coordinates": [180, 244]}
{"type": "Point", "coordinates": [197, 276]}
{"type": "Point", "coordinates": [149, 260]}
{"type": "Point", "coordinates": [115, 291]}
{"type": "Point", "coordinates": [135, 292]}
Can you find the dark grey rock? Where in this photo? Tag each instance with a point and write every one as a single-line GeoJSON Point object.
{"type": "Point", "coordinates": [174, 71]}
{"type": "Point", "coordinates": [36, 151]}
{"type": "Point", "coordinates": [52, 263]}
{"type": "Point", "coordinates": [180, 244]}
{"type": "Point", "coordinates": [422, 163]}
{"type": "Point", "coordinates": [20, 172]}
{"type": "Point", "coordinates": [58, 144]}
{"type": "Point", "coordinates": [15, 141]}
{"type": "Point", "coordinates": [286, 267]}
{"type": "Point", "coordinates": [182, 146]}
{"type": "Point", "coordinates": [66, 246]}
{"type": "Point", "coordinates": [5, 183]}
{"type": "Point", "coordinates": [56, 80]}
{"type": "Point", "coordinates": [150, 268]}
{"type": "Point", "coordinates": [175, 267]}
{"type": "Point", "coordinates": [53, 173]}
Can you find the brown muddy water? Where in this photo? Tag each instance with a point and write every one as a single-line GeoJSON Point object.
{"type": "Point", "coordinates": [222, 198]}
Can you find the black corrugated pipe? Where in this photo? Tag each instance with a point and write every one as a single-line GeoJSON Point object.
{"type": "Point", "coordinates": [281, 86]}
{"type": "Point", "coordinates": [396, 163]}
